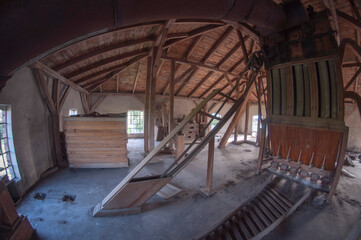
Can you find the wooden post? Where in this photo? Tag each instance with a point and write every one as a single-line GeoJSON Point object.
{"type": "Point", "coordinates": [261, 147]}
{"type": "Point", "coordinates": [210, 165]}
{"type": "Point", "coordinates": [171, 102]}
{"type": "Point", "coordinates": [340, 162]}
{"type": "Point", "coordinates": [180, 147]}
{"type": "Point", "coordinates": [146, 105]}
{"type": "Point", "coordinates": [246, 122]}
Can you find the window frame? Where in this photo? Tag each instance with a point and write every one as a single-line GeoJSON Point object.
{"type": "Point", "coordinates": [10, 145]}
{"type": "Point", "coordinates": [140, 117]}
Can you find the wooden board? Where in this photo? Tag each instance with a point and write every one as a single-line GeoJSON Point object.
{"type": "Point", "coordinates": [96, 142]}
{"type": "Point", "coordinates": [321, 142]}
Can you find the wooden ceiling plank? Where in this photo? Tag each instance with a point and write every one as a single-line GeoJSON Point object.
{"type": "Point", "coordinates": [216, 44]}
{"type": "Point", "coordinates": [102, 51]}
{"type": "Point", "coordinates": [192, 47]}
{"type": "Point", "coordinates": [107, 61]}
{"type": "Point", "coordinates": [108, 70]}
{"type": "Point", "coordinates": [199, 65]}
{"type": "Point", "coordinates": [186, 81]}
{"type": "Point", "coordinates": [242, 59]}
{"type": "Point", "coordinates": [198, 21]}
{"type": "Point", "coordinates": [212, 86]}
{"type": "Point", "coordinates": [355, 9]}
{"type": "Point", "coordinates": [193, 33]}
{"type": "Point", "coordinates": [354, 23]}
{"type": "Point", "coordinates": [209, 74]}
{"type": "Point", "coordinates": [94, 84]}
{"type": "Point", "coordinates": [55, 75]}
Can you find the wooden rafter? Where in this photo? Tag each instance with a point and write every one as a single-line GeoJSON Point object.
{"type": "Point", "coordinates": [55, 75]}
{"type": "Point", "coordinates": [103, 50]}
{"type": "Point", "coordinates": [97, 103]}
{"type": "Point", "coordinates": [243, 45]}
{"type": "Point", "coordinates": [352, 80]}
{"type": "Point", "coordinates": [106, 61]}
{"type": "Point", "coordinates": [209, 74]}
{"type": "Point", "coordinates": [94, 84]}
{"type": "Point", "coordinates": [212, 86]}
{"type": "Point", "coordinates": [184, 83]}
{"type": "Point", "coordinates": [354, 23]}
{"type": "Point", "coordinates": [244, 28]}
{"type": "Point", "coordinates": [193, 33]}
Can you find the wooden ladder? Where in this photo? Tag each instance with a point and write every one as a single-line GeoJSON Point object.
{"type": "Point", "coordinates": [256, 218]}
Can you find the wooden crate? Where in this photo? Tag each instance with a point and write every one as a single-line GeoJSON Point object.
{"type": "Point", "coordinates": [96, 142]}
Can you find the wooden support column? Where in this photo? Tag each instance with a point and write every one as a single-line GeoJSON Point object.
{"type": "Point", "coordinates": [179, 147]}
{"type": "Point", "coordinates": [54, 102]}
{"type": "Point", "coordinates": [261, 147]}
{"type": "Point", "coordinates": [146, 106]}
{"type": "Point", "coordinates": [210, 166]}
{"type": "Point", "coordinates": [171, 102]}
{"type": "Point", "coordinates": [246, 122]}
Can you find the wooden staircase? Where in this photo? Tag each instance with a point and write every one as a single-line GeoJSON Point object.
{"type": "Point", "coordinates": [256, 218]}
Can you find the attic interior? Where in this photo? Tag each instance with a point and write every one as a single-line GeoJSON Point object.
{"type": "Point", "coordinates": [180, 119]}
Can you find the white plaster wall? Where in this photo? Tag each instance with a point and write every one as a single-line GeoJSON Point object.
{"type": "Point", "coordinates": [253, 110]}
{"type": "Point", "coordinates": [353, 121]}
{"type": "Point", "coordinates": [119, 104]}
{"type": "Point", "coordinates": [31, 122]}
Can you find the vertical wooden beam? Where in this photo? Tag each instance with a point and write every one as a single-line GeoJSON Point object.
{"type": "Point", "coordinates": [118, 83]}
{"type": "Point", "coordinates": [246, 122]}
{"type": "Point", "coordinates": [171, 102]}
{"type": "Point", "coordinates": [261, 147]}
{"type": "Point", "coordinates": [340, 162]}
{"type": "Point", "coordinates": [210, 165]}
{"type": "Point", "coordinates": [55, 94]}
{"type": "Point", "coordinates": [136, 78]}
{"type": "Point", "coordinates": [179, 147]}
{"type": "Point", "coordinates": [235, 119]}
{"type": "Point", "coordinates": [146, 105]}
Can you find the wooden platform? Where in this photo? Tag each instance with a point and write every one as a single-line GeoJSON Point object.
{"type": "Point", "coordinates": [96, 142]}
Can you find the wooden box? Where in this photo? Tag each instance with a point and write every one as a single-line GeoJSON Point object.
{"type": "Point", "coordinates": [96, 142]}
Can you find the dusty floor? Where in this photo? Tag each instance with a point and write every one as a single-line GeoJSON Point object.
{"type": "Point", "coordinates": [187, 214]}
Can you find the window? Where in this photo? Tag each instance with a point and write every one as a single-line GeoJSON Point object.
{"type": "Point", "coordinates": [215, 121]}
{"type": "Point", "coordinates": [73, 112]}
{"type": "Point", "coordinates": [7, 169]}
{"type": "Point", "coordinates": [135, 122]}
{"type": "Point", "coordinates": [254, 125]}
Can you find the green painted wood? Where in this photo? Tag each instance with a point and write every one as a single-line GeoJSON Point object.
{"type": "Point", "coordinates": [283, 82]}
{"type": "Point", "coordinates": [306, 82]}
{"type": "Point", "coordinates": [276, 92]}
{"type": "Point", "coordinates": [333, 88]}
{"type": "Point", "coordinates": [324, 89]}
{"type": "Point", "coordinates": [299, 90]}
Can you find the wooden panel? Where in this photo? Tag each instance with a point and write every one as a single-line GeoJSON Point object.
{"type": "Point", "coordinates": [300, 91]}
{"type": "Point", "coordinates": [96, 142]}
{"type": "Point", "coordinates": [283, 91]}
{"type": "Point", "coordinates": [333, 88]}
{"type": "Point", "coordinates": [306, 79]}
{"type": "Point", "coordinates": [276, 88]}
{"type": "Point", "coordinates": [324, 89]}
{"type": "Point", "coordinates": [321, 142]}
{"type": "Point", "coordinates": [7, 209]}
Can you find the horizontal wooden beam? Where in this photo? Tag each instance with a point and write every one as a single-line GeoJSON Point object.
{"type": "Point", "coordinates": [55, 75]}
{"type": "Point", "coordinates": [142, 94]}
{"type": "Point", "coordinates": [200, 65]}
{"type": "Point", "coordinates": [244, 28]}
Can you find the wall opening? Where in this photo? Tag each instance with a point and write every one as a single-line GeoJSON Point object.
{"type": "Point", "coordinates": [254, 125]}
{"type": "Point", "coordinates": [135, 121]}
{"type": "Point", "coordinates": [8, 165]}
{"type": "Point", "coordinates": [215, 121]}
{"type": "Point", "coordinates": [73, 112]}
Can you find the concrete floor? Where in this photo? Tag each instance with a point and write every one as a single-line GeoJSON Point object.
{"type": "Point", "coordinates": [187, 214]}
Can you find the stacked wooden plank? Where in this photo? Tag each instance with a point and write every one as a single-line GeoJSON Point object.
{"type": "Point", "coordinates": [191, 131]}
{"type": "Point", "coordinates": [96, 142]}
{"type": "Point", "coordinates": [12, 226]}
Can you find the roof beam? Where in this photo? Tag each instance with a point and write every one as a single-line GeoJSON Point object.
{"type": "Point", "coordinates": [354, 77]}
{"type": "Point", "coordinates": [55, 75]}
{"type": "Point", "coordinates": [186, 81]}
{"type": "Point", "coordinates": [354, 23]}
{"type": "Point", "coordinates": [193, 33]}
{"type": "Point", "coordinates": [200, 65]}
{"type": "Point", "coordinates": [244, 28]}
{"type": "Point", "coordinates": [94, 84]}
{"type": "Point", "coordinates": [106, 61]}
{"type": "Point", "coordinates": [209, 74]}
{"type": "Point", "coordinates": [102, 51]}
{"type": "Point", "coordinates": [136, 79]}
{"type": "Point", "coordinates": [243, 45]}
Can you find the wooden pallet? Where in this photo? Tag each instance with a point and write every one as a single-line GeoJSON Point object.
{"type": "Point", "coordinates": [256, 218]}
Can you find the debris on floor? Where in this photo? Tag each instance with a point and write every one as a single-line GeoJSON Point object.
{"type": "Point", "coordinates": [350, 157]}
{"type": "Point", "coordinates": [347, 173]}
{"type": "Point", "coordinates": [68, 198]}
{"type": "Point", "coordinates": [40, 196]}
